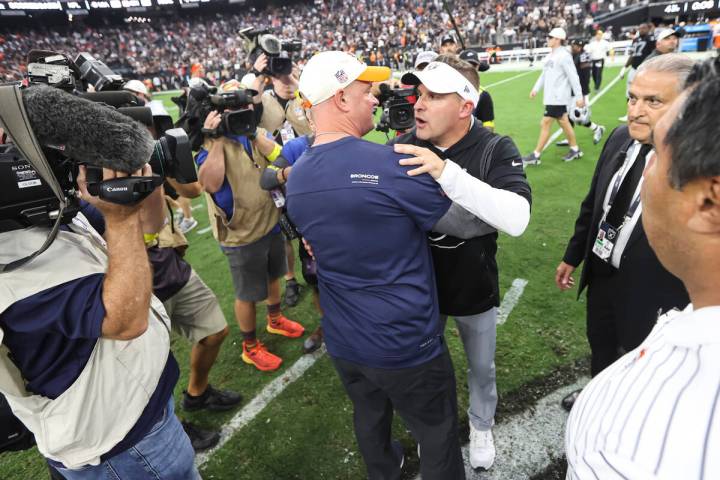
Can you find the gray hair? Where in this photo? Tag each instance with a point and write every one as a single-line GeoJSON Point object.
{"type": "Point", "coordinates": [675, 63]}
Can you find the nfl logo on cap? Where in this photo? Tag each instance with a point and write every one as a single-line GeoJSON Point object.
{"type": "Point", "coordinates": [341, 76]}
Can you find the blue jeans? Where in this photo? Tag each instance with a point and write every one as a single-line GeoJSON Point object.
{"type": "Point", "coordinates": [164, 454]}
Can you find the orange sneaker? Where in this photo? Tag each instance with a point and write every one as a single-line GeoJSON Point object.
{"type": "Point", "coordinates": [284, 326]}
{"type": "Point", "coordinates": [259, 356]}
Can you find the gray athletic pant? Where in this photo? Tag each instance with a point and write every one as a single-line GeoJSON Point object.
{"type": "Point", "coordinates": [478, 336]}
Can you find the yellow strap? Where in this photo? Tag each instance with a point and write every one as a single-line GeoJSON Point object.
{"type": "Point", "coordinates": [150, 238]}
{"type": "Point", "coordinates": [275, 153]}
{"type": "Point", "coordinates": [491, 123]}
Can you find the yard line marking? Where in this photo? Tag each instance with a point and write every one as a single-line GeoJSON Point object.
{"type": "Point", "coordinates": [262, 400]}
{"type": "Point", "coordinates": [529, 441]}
{"type": "Point", "coordinates": [591, 102]}
{"type": "Point", "coordinates": [203, 231]}
{"type": "Point", "coordinates": [509, 79]}
{"type": "Point", "coordinates": [510, 300]}
{"type": "Point", "coordinates": [197, 207]}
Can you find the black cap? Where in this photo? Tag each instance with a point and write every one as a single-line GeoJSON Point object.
{"type": "Point", "coordinates": [447, 39]}
{"type": "Point", "coordinates": [473, 57]}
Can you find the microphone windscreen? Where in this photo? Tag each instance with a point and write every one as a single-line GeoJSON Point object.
{"type": "Point", "coordinates": [91, 133]}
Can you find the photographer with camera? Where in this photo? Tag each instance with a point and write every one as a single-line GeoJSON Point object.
{"type": "Point", "coordinates": [85, 361]}
{"type": "Point", "coordinates": [483, 173]}
{"type": "Point", "coordinates": [244, 219]}
{"type": "Point", "coordinates": [281, 111]}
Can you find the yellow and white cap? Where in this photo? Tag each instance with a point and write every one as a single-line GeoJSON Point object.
{"type": "Point", "coordinates": [327, 72]}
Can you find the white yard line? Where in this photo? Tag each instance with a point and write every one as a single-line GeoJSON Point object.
{"type": "Point", "coordinates": [203, 231]}
{"type": "Point", "coordinates": [511, 299]}
{"type": "Point", "coordinates": [514, 77]}
{"type": "Point", "coordinates": [257, 404]}
{"type": "Point", "coordinates": [591, 102]}
{"type": "Point", "coordinates": [528, 442]}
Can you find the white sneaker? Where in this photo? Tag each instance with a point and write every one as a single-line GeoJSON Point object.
{"type": "Point", "coordinates": [187, 224]}
{"type": "Point", "coordinates": [598, 134]}
{"type": "Point", "coordinates": [623, 118]}
{"type": "Point", "coordinates": [482, 448]}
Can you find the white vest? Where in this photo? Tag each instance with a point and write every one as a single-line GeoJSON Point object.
{"type": "Point", "coordinates": [98, 410]}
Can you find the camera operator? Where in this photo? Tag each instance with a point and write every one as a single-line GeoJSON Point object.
{"type": "Point", "coordinates": [283, 115]}
{"type": "Point", "coordinates": [244, 221]}
{"type": "Point", "coordinates": [483, 173]}
{"type": "Point", "coordinates": [91, 371]}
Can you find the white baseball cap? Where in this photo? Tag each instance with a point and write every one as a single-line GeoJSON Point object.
{"type": "Point", "coordinates": [425, 57]}
{"type": "Point", "coordinates": [558, 32]}
{"type": "Point", "coordinates": [664, 33]}
{"type": "Point", "coordinates": [327, 72]}
{"type": "Point", "coordinates": [439, 77]}
{"type": "Point", "coordinates": [136, 86]}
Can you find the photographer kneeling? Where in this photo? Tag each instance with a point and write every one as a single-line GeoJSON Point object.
{"type": "Point", "coordinates": [85, 361]}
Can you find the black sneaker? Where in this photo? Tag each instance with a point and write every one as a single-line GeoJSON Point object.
{"type": "Point", "coordinates": [314, 341]}
{"type": "Point", "coordinates": [531, 159]}
{"type": "Point", "coordinates": [211, 399]}
{"type": "Point", "coordinates": [569, 400]}
{"type": "Point", "coordinates": [199, 438]}
{"type": "Point", "coordinates": [292, 293]}
{"type": "Point", "coordinates": [572, 155]}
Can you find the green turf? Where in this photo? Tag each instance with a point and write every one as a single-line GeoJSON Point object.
{"type": "Point", "coordinates": [306, 432]}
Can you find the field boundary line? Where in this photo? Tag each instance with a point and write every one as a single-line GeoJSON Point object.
{"type": "Point", "coordinates": [514, 77]}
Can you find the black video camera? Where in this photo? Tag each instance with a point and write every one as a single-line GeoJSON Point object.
{"type": "Point", "coordinates": [397, 108]}
{"type": "Point", "coordinates": [237, 118]}
{"type": "Point", "coordinates": [277, 51]}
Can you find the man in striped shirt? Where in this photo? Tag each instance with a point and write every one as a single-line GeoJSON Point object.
{"type": "Point", "coordinates": [655, 413]}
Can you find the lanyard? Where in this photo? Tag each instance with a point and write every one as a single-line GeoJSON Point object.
{"type": "Point", "coordinates": [616, 188]}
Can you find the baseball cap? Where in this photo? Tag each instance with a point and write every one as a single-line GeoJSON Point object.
{"type": "Point", "coordinates": [473, 57]}
{"type": "Point", "coordinates": [558, 33]}
{"type": "Point", "coordinates": [327, 72]}
{"type": "Point", "coordinates": [425, 57]}
{"type": "Point", "coordinates": [136, 86]}
{"type": "Point", "coordinates": [447, 39]}
{"type": "Point", "coordinates": [666, 32]}
{"type": "Point", "coordinates": [440, 77]}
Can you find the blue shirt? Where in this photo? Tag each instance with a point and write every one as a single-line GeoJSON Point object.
{"type": "Point", "coordinates": [294, 148]}
{"type": "Point", "coordinates": [223, 198]}
{"type": "Point", "coordinates": [366, 220]}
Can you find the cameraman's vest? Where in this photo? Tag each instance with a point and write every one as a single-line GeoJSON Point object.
{"type": "Point", "coordinates": [170, 236]}
{"type": "Point", "coordinates": [274, 115]}
{"type": "Point", "coordinates": [254, 213]}
{"type": "Point", "coordinates": [98, 410]}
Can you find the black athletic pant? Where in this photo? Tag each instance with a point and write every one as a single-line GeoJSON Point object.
{"type": "Point", "coordinates": [424, 397]}
{"type": "Point", "coordinates": [597, 70]}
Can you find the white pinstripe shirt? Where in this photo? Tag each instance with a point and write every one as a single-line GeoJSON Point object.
{"type": "Point", "coordinates": [655, 413]}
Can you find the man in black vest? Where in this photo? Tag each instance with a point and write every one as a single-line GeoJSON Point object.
{"type": "Point", "coordinates": [627, 285]}
{"type": "Point", "coordinates": [483, 173]}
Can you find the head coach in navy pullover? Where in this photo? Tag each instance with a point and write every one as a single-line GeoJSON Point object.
{"type": "Point", "coordinates": [367, 220]}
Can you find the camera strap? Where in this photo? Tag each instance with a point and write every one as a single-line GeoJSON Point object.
{"type": "Point", "coordinates": [16, 123]}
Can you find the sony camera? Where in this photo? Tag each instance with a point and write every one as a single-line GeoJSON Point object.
{"type": "Point", "coordinates": [397, 108]}
{"type": "Point", "coordinates": [277, 51]}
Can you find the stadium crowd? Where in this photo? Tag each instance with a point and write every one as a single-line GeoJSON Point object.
{"type": "Point", "coordinates": [384, 33]}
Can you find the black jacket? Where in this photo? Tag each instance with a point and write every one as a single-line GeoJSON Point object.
{"type": "Point", "coordinates": [643, 284]}
{"type": "Point", "coordinates": [466, 271]}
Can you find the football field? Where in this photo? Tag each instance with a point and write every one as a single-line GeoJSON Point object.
{"type": "Point", "coordinates": [296, 423]}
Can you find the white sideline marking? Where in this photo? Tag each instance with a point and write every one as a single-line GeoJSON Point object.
{"type": "Point", "coordinates": [203, 231]}
{"type": "Point", "coordinates": [510, 300]}
{"type": "Point", "coordinates": [527, 442]}
{"type": "Point", "coordinates": [510, 79]}
{"type": "Point", "coordinates": [197, 207]}
{"type": "Point", "coordinates": [592, 101]}
{"type": "Point", "coordinates": [257, 404]}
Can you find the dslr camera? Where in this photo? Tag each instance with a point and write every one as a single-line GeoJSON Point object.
{"type": "Point", "coordinates": [278, 51]}
{"type": "Point", "coordinates": [397, 108]}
